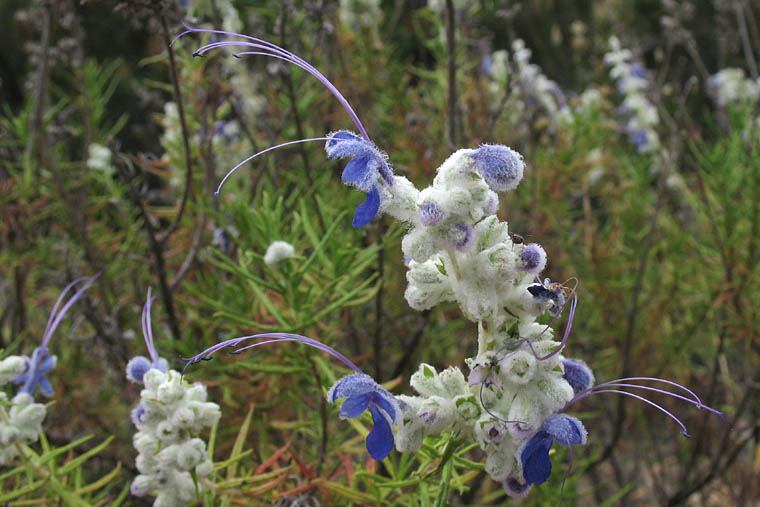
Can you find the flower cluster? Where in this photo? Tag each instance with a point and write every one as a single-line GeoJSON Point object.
{"type": "Point", "coordinates": [21, 418]}
{"type": "Point", "coordinates": [277, 252]}
{"type": "Point", "coordinates": [731, 86]}
{"type": "Point", "coordinates": [523, 86]}
{"type": "Point", "coordinates": [512, 401]}
{"type": "Point", "coordinates": [632, 84]}
{"type": "Point", "coordinates": [536, 87]}
{"type": "Point", "coordinates": [172, 459]}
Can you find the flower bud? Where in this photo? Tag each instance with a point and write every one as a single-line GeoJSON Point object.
{"type": "Point", "coordinates": [501, 167]}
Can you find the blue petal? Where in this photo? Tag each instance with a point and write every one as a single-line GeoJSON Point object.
{"type": "Point", "coordinates": [578, 375]}
{"type": "Point", "coordinates": [47, 364]}
{"type": "Point", "coordinates": [21, 379]}
{"type": "Point", "coordinates": [567, 430]}
{"type": "Point", "coordinates": [537, 467]}
{"type": "Point", "coordinates": [354, 405]}
{"type": "Point", "coordinates": [501, 167]}
{"type": "Point", "coordinates": [380, 439]}
{"type": "Point", "coordinates": [345, 144]}
{"type": "Point", "coordinates": [355, 384]}
{"type": "Point", "coordinates": [386, 401]}
{"type": "Point", "coordinates": [137, 367]}
{"type": "Point", "coordinates": [342, 135]}
{"type": "Point", "coordinates": [46, 387]}
{"type": "Point", "coordinates": [359, 173]}
{"type": "Point", "coordinates": [367, 210]}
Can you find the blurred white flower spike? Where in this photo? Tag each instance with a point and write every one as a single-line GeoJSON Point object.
{"type": "Point", "coordinates": [21, 417]}
{"type": "Point", "coordinates": [173, 462]}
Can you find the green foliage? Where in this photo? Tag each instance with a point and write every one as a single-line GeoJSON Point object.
{"type": "Point", "coordinates": [57, 472]}
{"type": "Point", "coordinates": [664, 248]}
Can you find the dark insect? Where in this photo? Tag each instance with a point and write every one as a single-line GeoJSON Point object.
{"type": "Point", "coordinates": [517, 239]}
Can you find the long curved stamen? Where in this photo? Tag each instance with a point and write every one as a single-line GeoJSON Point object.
{"type": "Point", "coordinates": [697, 403]}
{"type": "Point", "coordinates": [285, 55]}
{"type": "Point", "coordinates": [148, 328]}
{"type": "Point", "coordinates": [640, 398]}
{"type": "Point", "coordinates": [529, 341]}
{"type": "Point", "coordinates": [654, 379]}
{"type": "Point", "coordinates": [267, 44]}
{"type": "Point", "coordinates": [482, 404]}
{"type": "Point", "coordinates": [276, 338]}
{"type": "Point", "coordinates": [59, 300]}
{"type": "Point", "coordinates": [568, 327]}
{"type": "Point", "coordinates": [219, 189]}
{"type": "Point", "coordinates": [77, 295]}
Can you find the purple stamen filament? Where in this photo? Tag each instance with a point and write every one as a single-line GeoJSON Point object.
{"type": "Point", "coordinates": [275, 338]}
{"type": "Point", "coordinates": [641, 398]}
{"type": "Point", "coordinates": [264, 151]}
{"type": "Point", "coordinates": [55, 318]}
{"type": "Point", "coordinates": [482, 404]}
{"type": "Point", "coordinates": [147, 329]}
{"type": "Point", "coordinates": [275, 51]}
{"type": "Point", "coordinates": [565, 336]}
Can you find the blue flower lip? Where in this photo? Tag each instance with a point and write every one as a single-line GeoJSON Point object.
{"type": "Point", "coordinates": [565, 429]}
{"type": "Point", "coordinates": [363, 393]}
{"type": "Point", "coordinates": [368, 166]}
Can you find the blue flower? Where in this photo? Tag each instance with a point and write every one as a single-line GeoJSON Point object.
{"type": "Point", "coordinates": [430, 214]}
{"type": "Point", "coordinates": [37, 366]}
{"type": "Point", "coordinates": [366, 169]}
{"type": "Point", "coordinates": [533, 257]}
{"type": "Point", "coordinates": [640, 138]}
{"type": "Point", "coordinates": [578, 375]}
{"type": "Point", "coordinates": [138, 366]}
{"type": "Point", "coordinates": [567, 430]}
{"type": "Point", "coordinates": [501, 167]}
{"type": "Point", "coordinates": [137, 415]}
{"type": "Point", "coordinates": [363, 393]}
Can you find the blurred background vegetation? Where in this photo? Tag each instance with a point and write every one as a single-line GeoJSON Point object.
{"type": "Point", "coordinates": [111, 147]}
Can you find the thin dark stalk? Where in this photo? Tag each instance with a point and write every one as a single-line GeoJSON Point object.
{"type": "Point", "coordinates": [411, 347]}
{"type": "Point", "coordinates": [631, 324]}
{"type": "Point", "coordinates": [451, 62]}
{"type": "Point", "coordinates": [156, 250]}
{"type": "Point", "coordinates": [753, 29]}
{"type": "Point", "coordinates": [497, 114]}
{"type": "Point", "coordinates": [19, 313]}
{"type": "Point", "coordinates": [378, 333]}
{"type": "Point", "coordinates": [36, 143]}
{"type": "Point", "coordinates": [718, 464]}
{"type": "Point", "coordinates": [744, 35]}
{"type": "Point", "coordinates": [288, 81]}
{"type": "Point", "coordinates": [323, 420]}
{"type": "Point", "coordinates": [185, 133]}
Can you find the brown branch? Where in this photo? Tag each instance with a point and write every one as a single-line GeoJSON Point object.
{"type": "Point", "coordinates": [185, 133]}
{"type": "Point", "coordinates": [451, 61]}
{"type": "Point", "coordinates": [156, 250]}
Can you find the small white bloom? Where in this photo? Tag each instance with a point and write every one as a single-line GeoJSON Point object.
{"type": "Point", "coordinates": [277, 252]}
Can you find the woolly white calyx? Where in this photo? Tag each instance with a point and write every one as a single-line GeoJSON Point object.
{"type": "Point", "coordinates": [20, 424]}
{"type": "Point", "coordinates": [171, 414]}
{"type": "Point", "coordinates": [10, 368]}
